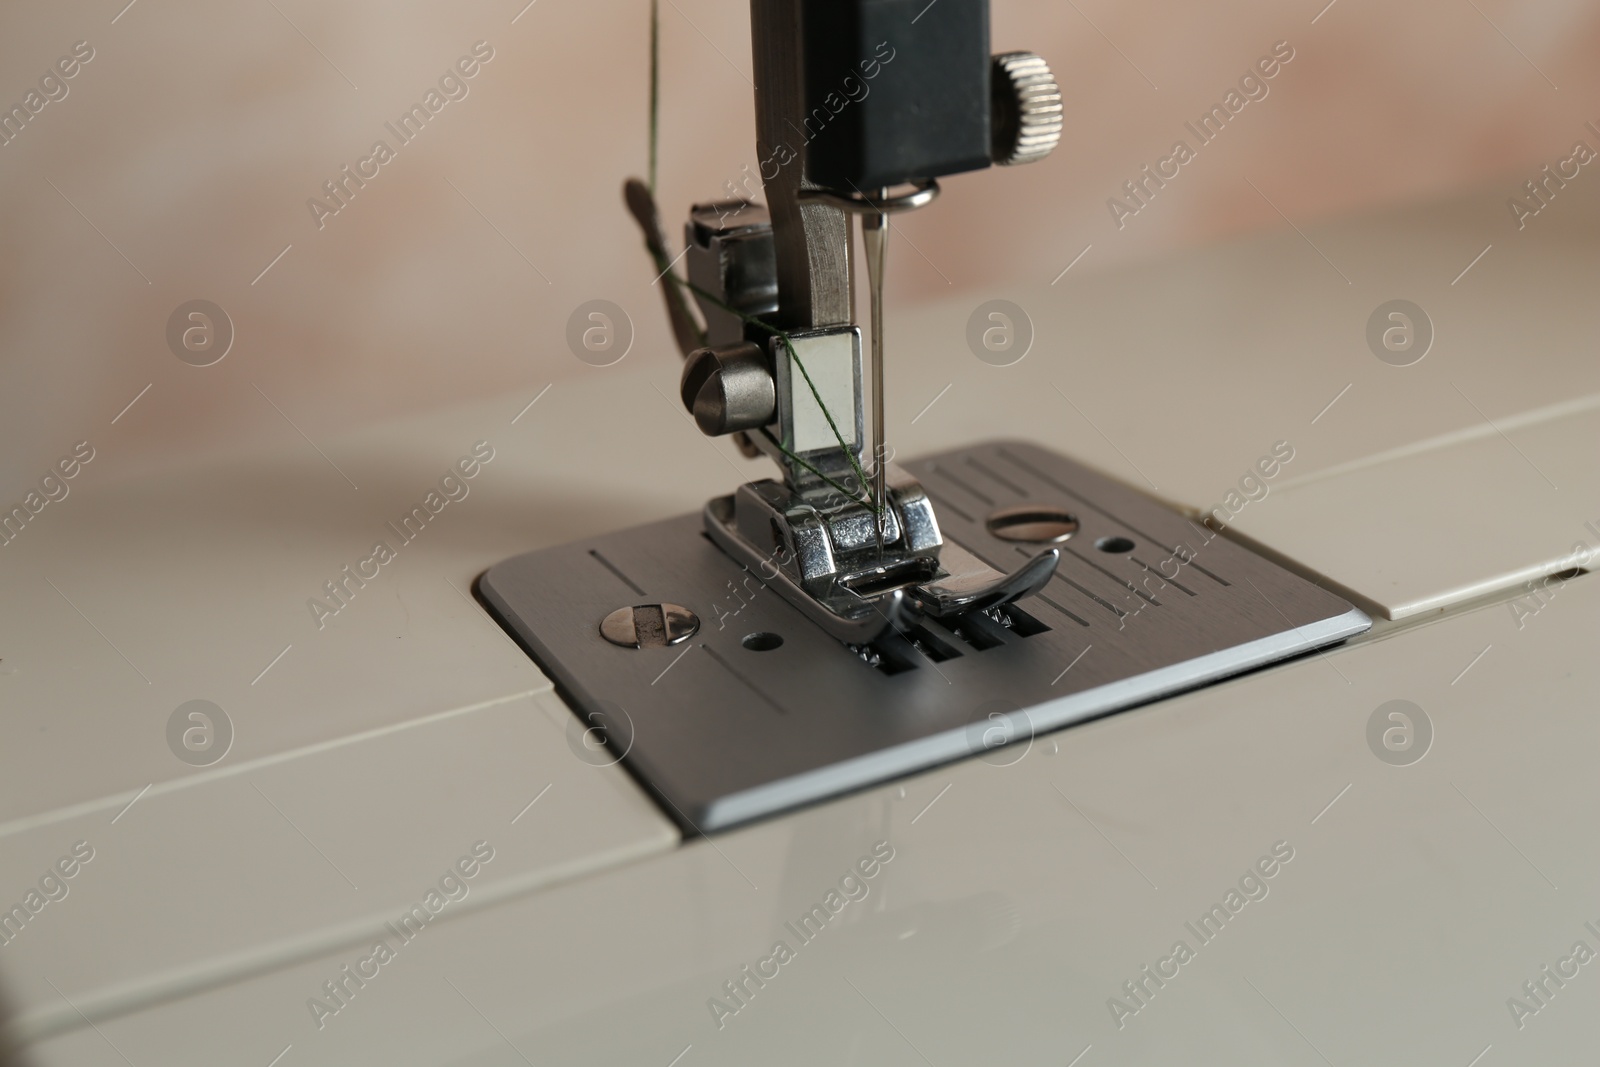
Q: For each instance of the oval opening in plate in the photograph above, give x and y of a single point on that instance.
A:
(1033, 524)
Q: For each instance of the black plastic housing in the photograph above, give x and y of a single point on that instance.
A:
(895, 90)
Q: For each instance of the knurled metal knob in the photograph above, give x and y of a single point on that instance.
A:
(1025, 109)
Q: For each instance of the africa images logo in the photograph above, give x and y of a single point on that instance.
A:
(341, 589)
(452, 886)
(1253, 85)
(853, 886)
(1253, 886)
(453, 85)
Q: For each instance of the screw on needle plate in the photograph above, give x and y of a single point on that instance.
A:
(650, 625)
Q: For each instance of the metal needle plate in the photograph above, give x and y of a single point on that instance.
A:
(761, 711)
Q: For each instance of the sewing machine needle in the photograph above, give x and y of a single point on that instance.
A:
(875, 241)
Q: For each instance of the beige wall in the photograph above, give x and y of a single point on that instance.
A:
(194, 137)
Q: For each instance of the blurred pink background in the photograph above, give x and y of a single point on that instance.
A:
(193, 139)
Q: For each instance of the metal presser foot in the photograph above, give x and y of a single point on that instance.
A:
(830, 563)
(836, 626)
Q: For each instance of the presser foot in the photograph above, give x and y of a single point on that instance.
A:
(856, 578)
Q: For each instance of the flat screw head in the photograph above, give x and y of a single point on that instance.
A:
(650, 625)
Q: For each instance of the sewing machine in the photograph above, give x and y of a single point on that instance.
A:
(894, 628)
(682, 721)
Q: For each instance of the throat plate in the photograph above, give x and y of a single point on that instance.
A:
(761, 711)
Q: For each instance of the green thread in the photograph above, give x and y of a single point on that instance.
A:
(655, 90)
(660, 259)
(847, 494)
